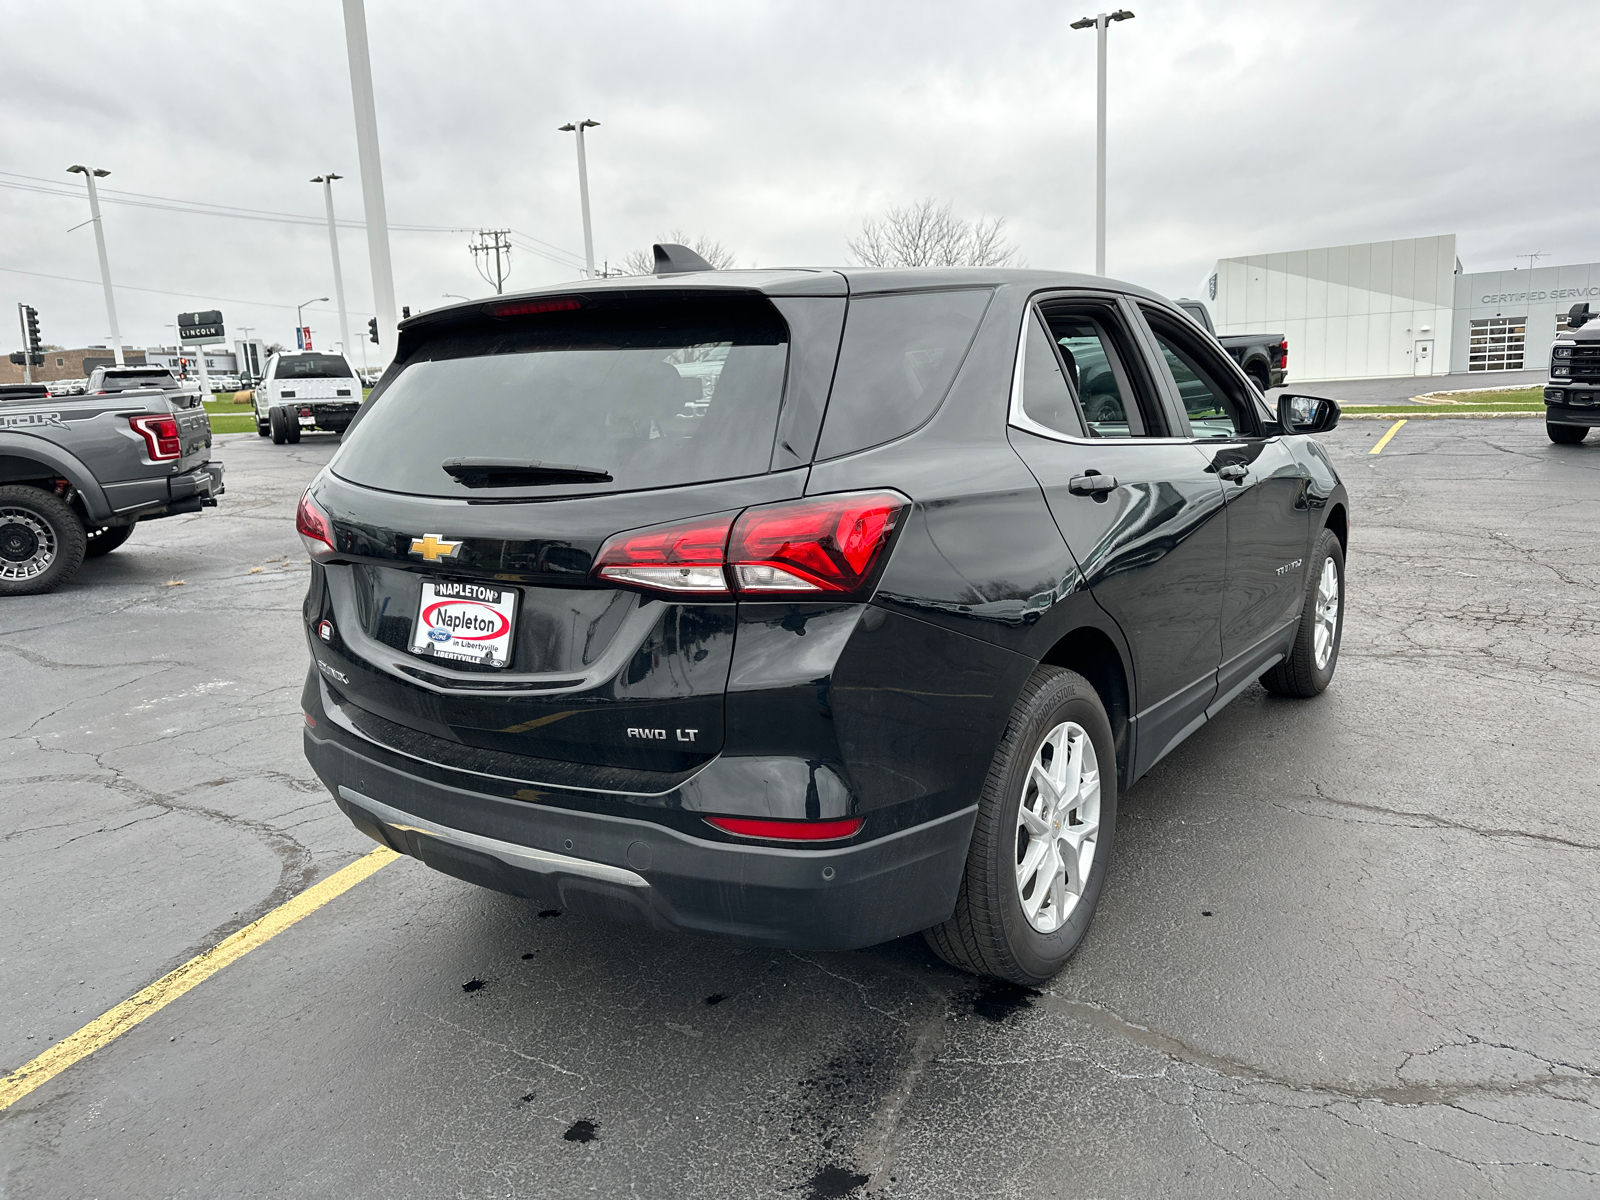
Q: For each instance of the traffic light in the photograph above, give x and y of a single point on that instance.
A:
(372, 329)
(30, 316)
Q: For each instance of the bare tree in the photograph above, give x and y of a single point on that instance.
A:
(643, 262)
(926, 234)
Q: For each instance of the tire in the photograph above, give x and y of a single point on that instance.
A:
(105, 539)
(276, 425)
(1566, 435)
(990, 933)
(291, 427)
(262, 429)
(1263, 380)
(41, 541)
(1305, 673)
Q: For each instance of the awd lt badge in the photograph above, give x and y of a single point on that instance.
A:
(432, 547)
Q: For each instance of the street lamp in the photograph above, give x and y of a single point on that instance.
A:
(333, 244)
(1099, 24)
(299, 322)
(90, 174)
(583, 190)
(453, 296)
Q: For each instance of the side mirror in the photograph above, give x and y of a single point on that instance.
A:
(1578, 316)
(1306, 414)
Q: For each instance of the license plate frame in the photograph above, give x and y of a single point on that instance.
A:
(455, 621)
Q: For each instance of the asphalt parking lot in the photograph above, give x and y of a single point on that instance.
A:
(1347, 947)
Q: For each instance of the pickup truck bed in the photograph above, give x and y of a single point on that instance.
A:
(78, 472)
(1264, 356)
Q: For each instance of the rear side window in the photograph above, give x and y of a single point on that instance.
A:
(1216, 402)
(651, 395)
(899, 356)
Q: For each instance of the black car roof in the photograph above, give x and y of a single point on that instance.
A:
(803, 281)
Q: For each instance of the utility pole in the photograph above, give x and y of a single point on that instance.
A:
(326, 180)
(90, 174)
(366, 113)
(1100, 24)
(583, 190)
(496, 242)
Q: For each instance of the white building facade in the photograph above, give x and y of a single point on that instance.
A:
(1397, 308)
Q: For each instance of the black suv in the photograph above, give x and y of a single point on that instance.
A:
(810, 607)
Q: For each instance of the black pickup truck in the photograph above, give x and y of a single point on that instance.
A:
(1264, 356)
(78, 472)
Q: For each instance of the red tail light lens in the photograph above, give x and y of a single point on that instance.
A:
(522, 308)
(820, 544)
(1283, 355)
(686, 556)
(160, 435)
(789, 831)
(314, 528)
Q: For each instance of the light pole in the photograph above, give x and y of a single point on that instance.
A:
(299, 323)
(355, 36)
(90, 174)
(583, 191)
(244, 352)
(333, 244)
(1099, 24)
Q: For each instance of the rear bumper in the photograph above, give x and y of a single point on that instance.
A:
(636, 870)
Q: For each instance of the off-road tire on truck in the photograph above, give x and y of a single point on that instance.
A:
(1566, 435)
(104, 539)
(1308, 670)
(989, 933)
(1263, 379)
(41, 541)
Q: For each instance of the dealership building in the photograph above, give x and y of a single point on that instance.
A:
(1397, 308)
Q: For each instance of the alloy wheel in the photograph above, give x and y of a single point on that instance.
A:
(27, 547)
(1327, 618)
(1058, 826)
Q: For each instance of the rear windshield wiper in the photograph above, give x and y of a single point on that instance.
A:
(499, 472)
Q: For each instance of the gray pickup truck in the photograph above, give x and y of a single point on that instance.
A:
(78, 472)
(1264, 356)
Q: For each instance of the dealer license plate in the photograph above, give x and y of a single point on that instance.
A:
(308, 420)
(468, 622)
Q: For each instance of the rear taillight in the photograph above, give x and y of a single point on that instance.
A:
(314, 528)
(820, 544)
(823, 545)
(683, 557)
(788, 831)
(1283, 355)
(160, 434)
(523, 308)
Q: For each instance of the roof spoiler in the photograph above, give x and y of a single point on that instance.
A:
(672, 259)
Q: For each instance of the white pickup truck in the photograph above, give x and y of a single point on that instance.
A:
(305, 390)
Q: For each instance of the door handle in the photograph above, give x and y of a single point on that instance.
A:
(1091, 483)
(1234, 471)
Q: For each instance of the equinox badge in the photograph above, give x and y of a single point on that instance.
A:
(433, 547)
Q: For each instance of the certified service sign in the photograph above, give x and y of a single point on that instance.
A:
(469, 622)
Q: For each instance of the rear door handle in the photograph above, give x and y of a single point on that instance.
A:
(1234, 471)
(1091, 484)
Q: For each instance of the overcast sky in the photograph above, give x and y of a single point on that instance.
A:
(1235, 128)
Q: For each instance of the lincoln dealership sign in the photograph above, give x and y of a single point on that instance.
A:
(1552, 294)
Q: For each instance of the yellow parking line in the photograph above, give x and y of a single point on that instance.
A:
(1384, 440)
(197, 970)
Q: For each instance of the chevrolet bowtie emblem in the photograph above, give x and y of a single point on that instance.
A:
(433, 547)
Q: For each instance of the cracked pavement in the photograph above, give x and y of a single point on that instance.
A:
(1347, 947)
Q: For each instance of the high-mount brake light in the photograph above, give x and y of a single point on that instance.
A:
(819, 544)
(684, 557)
(314, 528)
(789, 831)
(160, 433)
(522, 308)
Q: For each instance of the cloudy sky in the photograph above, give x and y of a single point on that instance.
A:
(773, 127)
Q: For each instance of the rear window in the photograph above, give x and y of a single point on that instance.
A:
(314, 366)
(898, 358)
(650, 394)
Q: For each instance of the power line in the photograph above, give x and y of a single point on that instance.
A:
(125, 287)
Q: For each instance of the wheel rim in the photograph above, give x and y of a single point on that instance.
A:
(27, 547)
(1058, 826)
(1327, 614)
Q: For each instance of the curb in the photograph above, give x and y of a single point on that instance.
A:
(1412, 414)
